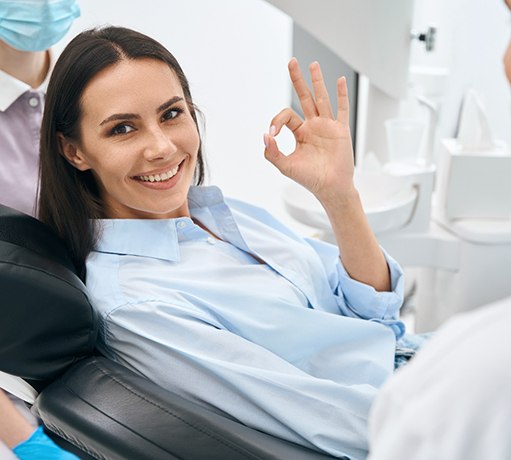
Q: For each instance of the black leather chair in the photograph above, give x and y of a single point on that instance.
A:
(48, 331)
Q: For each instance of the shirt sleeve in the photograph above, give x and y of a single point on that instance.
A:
(209, 365)
(359, 300)
(353, 298)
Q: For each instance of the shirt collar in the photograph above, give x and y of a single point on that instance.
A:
(204, 197)
(156, 238)
(12, 88)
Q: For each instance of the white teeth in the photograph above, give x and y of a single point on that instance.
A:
(159, 177)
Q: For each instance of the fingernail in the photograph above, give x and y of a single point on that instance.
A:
(273, 130)
(266, 140)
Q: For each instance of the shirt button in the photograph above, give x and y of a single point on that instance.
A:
(33, 102)
(210, 240)
(181, 224)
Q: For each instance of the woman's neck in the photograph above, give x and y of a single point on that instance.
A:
(30, 67)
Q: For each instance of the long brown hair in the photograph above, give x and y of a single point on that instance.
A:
(69, 199)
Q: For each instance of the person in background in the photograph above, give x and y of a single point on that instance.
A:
(27, 30)
(453, 401)
(24, 437)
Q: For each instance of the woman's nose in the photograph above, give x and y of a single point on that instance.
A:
(159, 146)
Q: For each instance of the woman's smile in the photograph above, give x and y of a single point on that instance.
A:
(164, 180)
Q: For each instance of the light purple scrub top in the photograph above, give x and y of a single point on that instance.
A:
(21, 111)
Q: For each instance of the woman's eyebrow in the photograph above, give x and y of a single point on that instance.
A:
(120, 116)
(169, 103)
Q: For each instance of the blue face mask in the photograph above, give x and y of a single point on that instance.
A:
(35, 25)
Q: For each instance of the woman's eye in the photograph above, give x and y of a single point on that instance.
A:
(122, 129)
(171, 114)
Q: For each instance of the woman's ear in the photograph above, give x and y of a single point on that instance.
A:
(72, 153)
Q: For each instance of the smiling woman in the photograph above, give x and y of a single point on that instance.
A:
(113, 101)
(141, 146)
(211, 297)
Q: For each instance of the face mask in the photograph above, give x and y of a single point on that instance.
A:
(35, 25)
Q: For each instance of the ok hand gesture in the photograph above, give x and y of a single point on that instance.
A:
(322, 161)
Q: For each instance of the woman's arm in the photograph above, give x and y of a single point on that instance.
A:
(310, 403)
(323, 163)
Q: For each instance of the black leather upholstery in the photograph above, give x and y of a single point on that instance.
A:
(47, 336)
(25, 232)
(115, 404)
(47, 322)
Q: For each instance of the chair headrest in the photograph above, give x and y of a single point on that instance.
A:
(47, 322)
(25, 231)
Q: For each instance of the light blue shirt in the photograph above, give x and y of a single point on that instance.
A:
(293, 346)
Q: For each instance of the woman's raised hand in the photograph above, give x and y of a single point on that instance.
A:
(322, 161)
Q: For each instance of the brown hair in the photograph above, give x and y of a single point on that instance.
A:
(69, 199)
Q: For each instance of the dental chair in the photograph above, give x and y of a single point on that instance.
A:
(89, 404)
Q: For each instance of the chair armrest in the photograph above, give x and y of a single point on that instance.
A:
(112, 413)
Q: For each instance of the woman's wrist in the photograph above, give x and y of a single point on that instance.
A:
(343, 201)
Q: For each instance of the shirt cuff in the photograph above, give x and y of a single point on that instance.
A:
(363, 301)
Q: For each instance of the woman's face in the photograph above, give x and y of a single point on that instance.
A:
(138, 138)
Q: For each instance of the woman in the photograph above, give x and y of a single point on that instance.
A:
(209, 297)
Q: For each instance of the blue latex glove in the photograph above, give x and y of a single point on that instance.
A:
(41, 447)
